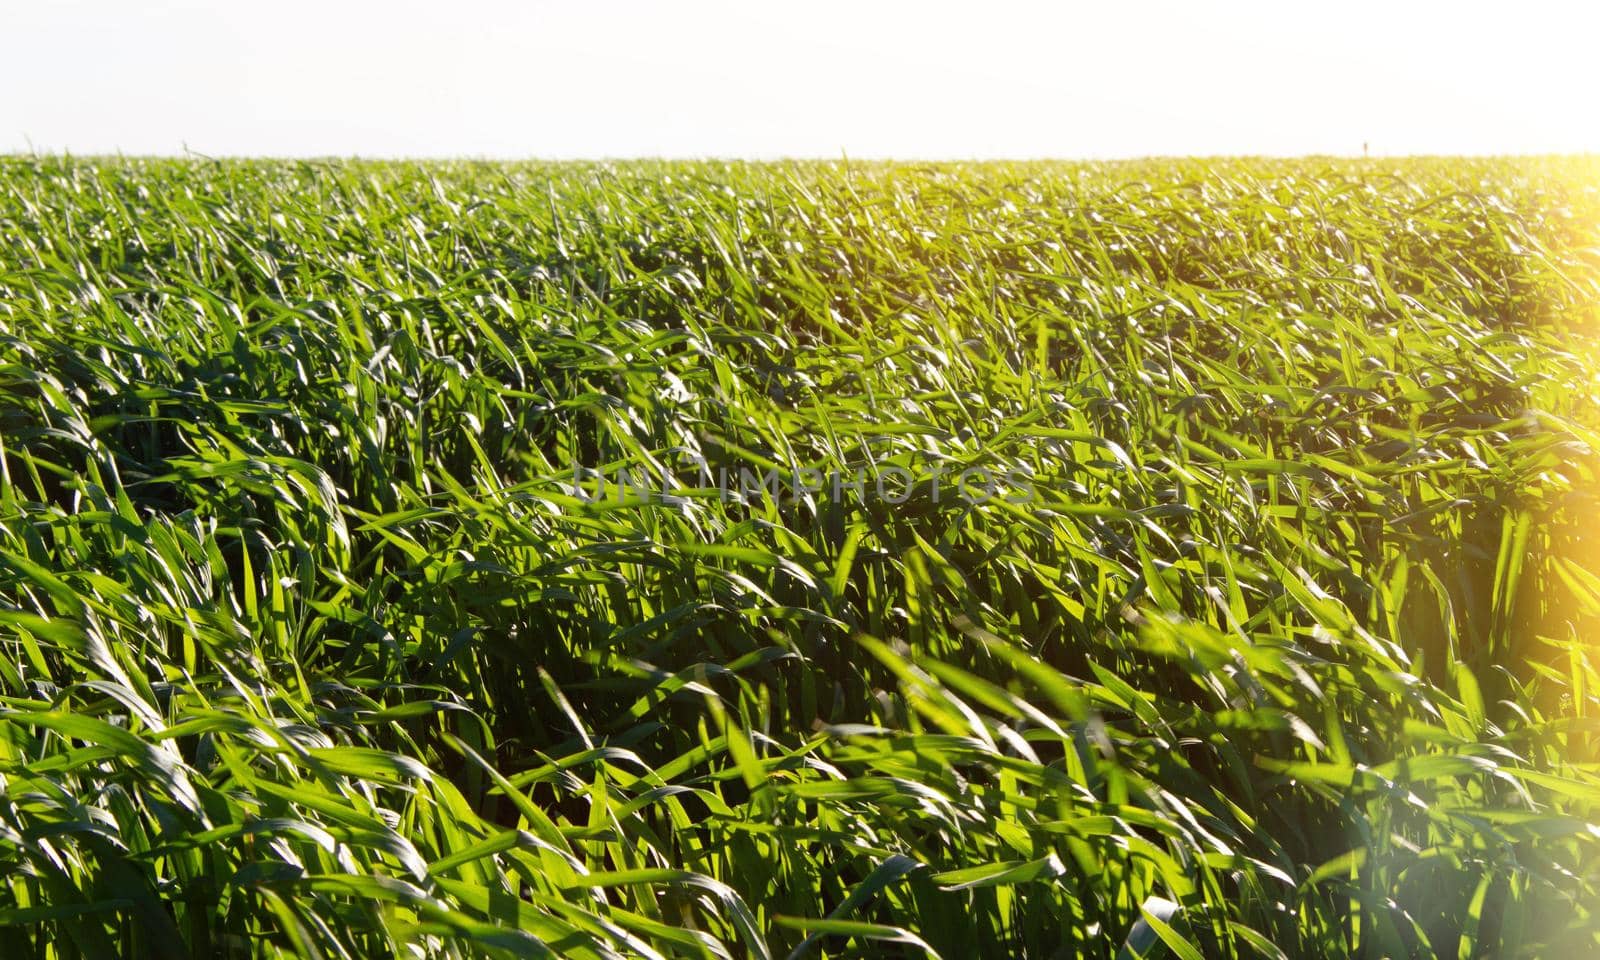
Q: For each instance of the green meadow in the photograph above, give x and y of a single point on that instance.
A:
(823, 559)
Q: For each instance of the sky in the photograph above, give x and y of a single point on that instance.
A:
(698, 78)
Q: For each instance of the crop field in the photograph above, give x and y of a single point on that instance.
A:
(819, 559)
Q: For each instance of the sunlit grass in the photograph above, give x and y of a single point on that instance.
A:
(311, 646)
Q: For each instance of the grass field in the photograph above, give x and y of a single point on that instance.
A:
(1214, 571)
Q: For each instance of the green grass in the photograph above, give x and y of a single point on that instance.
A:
(311, 645)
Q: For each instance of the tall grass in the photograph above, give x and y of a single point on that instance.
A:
(1280, 642)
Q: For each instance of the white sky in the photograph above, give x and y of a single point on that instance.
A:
(752, 79)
